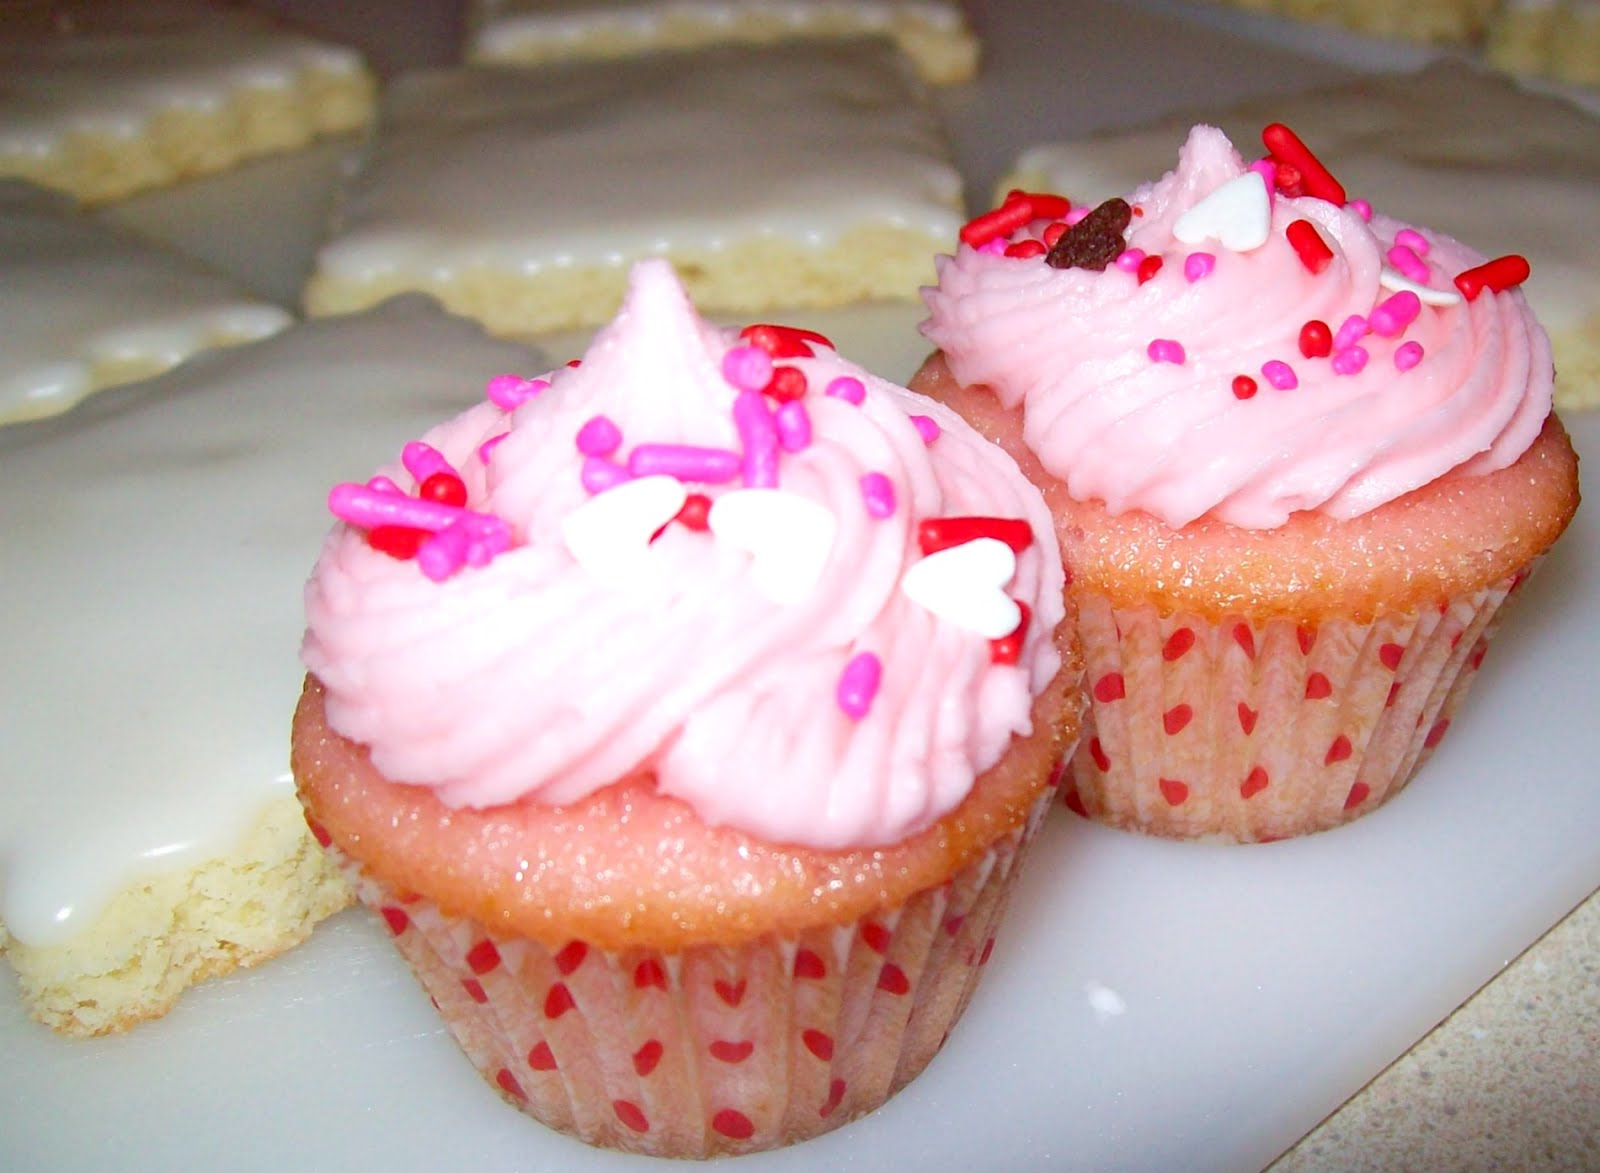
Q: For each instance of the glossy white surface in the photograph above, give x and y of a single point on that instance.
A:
(1149, 1005)
(149, 733)
(79, 298)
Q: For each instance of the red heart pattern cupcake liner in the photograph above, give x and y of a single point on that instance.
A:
(1260, 731)
(713, 1050)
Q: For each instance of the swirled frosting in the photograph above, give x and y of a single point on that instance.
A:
(1182, 386)
(764, 660)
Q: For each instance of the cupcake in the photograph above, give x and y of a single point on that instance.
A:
(1298, 455)
(685, 713)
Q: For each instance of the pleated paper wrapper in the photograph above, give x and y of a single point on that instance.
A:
(1259, 731)
(711, 1050)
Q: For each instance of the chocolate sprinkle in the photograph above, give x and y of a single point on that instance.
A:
(1095, 241)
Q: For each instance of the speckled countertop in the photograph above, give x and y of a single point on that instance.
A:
(1511, 1080)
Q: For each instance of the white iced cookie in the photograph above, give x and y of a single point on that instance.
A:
(933, 33)
(1557, 39)
(84, 306)
(1448, 22)
(155, 545)
(1402, 141)
(103, 100)
(806, 174)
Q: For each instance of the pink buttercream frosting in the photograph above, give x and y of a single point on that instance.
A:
(545, 670)
(1126, 380)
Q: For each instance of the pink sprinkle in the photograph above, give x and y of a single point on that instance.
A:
(600, 474)
(1412, 239)
(1268, 170)
(1408, 264)
(1407, 355)
(877, 492)
(847, 387)
(1395, 313)
(1280, 374)
(748, 368)
(712, 466)
(1077, 214)
(1198, 266)
(486, 449)
(758, 436)
(423, 460)
(443, 554)
(1353, 330)
(926, 428)
(365, 505)
(509, 392)
(368, 508)
(1128, 259)
(1166, 350)
(993, 248)
(460, 544)
(1361, 208)
(1350, 360)
(794, 426)
(599, 437)
(858, 685)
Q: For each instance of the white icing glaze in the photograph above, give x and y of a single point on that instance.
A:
(109, 68)
(505, 26)
(1465, 153)
(152, 624)
(78, 293)
(599, 164)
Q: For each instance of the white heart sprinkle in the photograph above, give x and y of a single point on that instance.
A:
(610, 532)
(787, 536)
(1426, 294)
(1238, 215)
(962, 586)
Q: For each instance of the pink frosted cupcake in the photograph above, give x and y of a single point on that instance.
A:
(1298, 455)
(686, 714)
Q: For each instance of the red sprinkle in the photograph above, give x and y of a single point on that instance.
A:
(1018, 210)
(1052, 233)
(1148, 268)
(1045, 205)
(1315, 179)
(397, 541)
(695, 510)
(1008, 648)
(786, 384)
(1497, 275)
(1309, 246)
(1243, 386)
(783, 341)
(445, 488)
(1026, 248)
(940, 533)
(997, 222)
(1316, 340)
(1287, 181)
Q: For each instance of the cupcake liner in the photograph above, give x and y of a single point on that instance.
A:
(713, 1050)
(1254, 732)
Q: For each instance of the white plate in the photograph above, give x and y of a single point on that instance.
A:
(1149, 1005)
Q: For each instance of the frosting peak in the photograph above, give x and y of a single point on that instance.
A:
(1253, 351)
(701, 575)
